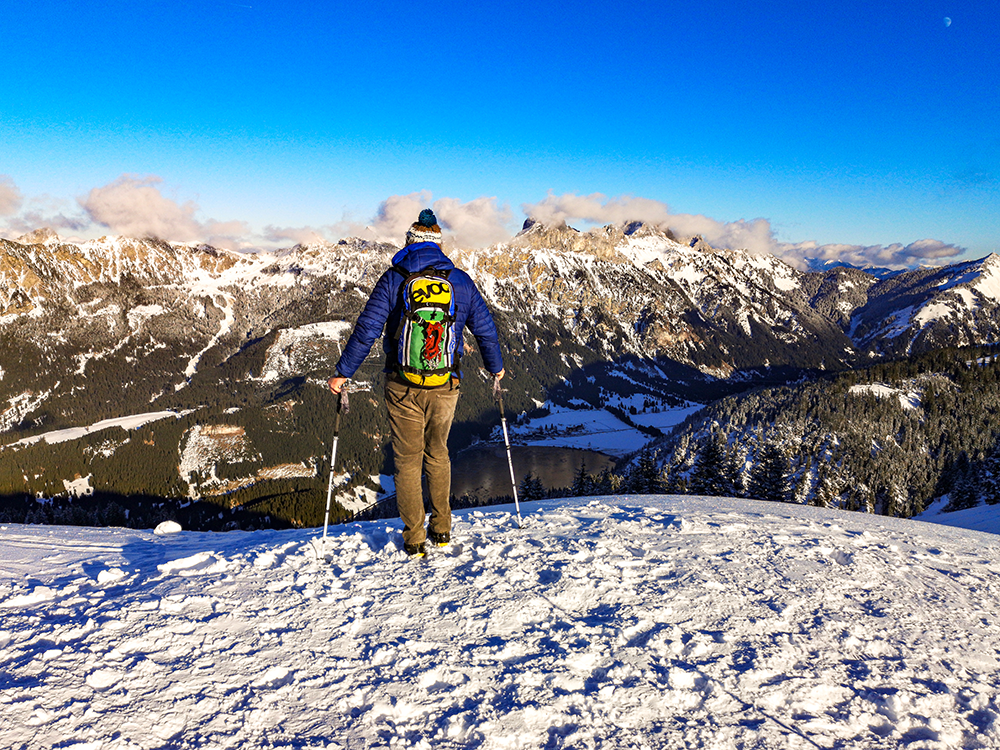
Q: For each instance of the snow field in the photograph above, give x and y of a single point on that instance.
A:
(619, 622)
(132, 422)
(587, 429)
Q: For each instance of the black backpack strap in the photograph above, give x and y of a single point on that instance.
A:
(430, 269)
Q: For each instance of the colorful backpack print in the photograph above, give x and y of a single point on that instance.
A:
(426, 341)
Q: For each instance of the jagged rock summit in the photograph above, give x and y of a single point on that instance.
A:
(42, 236)
(605, 242)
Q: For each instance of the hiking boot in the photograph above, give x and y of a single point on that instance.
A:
(415, 550)
(440, 539)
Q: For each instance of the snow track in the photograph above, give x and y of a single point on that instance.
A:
(610, 623)
(226, 303)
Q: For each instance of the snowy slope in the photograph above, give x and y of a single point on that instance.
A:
(593, 429)
(921, 310)
(657, 622)
(982, 518)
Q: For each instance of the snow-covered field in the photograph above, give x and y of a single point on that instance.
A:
(589, 429)
(668, 418)
(595, 429)
(982, 518)
(132, 422)
(625, 622)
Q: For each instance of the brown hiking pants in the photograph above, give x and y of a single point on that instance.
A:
(420, 419)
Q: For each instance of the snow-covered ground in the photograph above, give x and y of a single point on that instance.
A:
(668, 418)
(624, 622)
(983, 518)
(590, 429)
(908, 399)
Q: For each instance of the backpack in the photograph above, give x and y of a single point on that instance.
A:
(426, 339)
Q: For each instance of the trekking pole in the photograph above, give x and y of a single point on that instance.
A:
(343, 406)
(498, 395)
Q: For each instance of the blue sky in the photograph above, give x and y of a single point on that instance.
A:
(852, 129)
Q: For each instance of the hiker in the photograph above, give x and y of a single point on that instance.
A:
(420, 307)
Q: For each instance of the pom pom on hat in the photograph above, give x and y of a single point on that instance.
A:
(424, 229)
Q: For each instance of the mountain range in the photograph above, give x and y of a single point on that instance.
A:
(235, 347)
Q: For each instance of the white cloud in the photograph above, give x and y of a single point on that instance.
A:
(922, 252)
(478, 223)
(10, 196)
(597, 208)
(755, 235)
(231, 235)
(134, 206)
(41, 211)
(397, 213)
(393, 218)
(475, 223)
(54, 218)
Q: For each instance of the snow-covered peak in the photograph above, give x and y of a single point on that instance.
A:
(821, 265)
(42, 236)
(645, 247)
(962, 289)
(988, 281)
(929, 308)
(532, 225)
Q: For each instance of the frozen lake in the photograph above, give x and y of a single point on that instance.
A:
(483, 470)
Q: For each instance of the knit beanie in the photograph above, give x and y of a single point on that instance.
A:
(424, 229)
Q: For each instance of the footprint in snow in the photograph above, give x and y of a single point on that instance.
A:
(103, 679)
(110, 575)
(198, 564)
(38, 595)
(275, 677)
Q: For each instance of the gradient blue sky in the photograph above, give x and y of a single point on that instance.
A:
(850, 124)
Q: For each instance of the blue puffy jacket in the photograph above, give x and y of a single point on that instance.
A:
(384, 310)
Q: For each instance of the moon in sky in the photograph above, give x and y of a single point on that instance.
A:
(947, 22)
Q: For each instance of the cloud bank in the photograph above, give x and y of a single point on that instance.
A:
(921, 252)
(23, 215)
(135, 206)
(285, 236)
(476, 223)
(754, 235)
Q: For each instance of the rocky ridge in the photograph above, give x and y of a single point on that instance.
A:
(121, 326)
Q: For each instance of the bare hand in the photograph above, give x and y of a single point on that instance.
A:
(336, 384)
